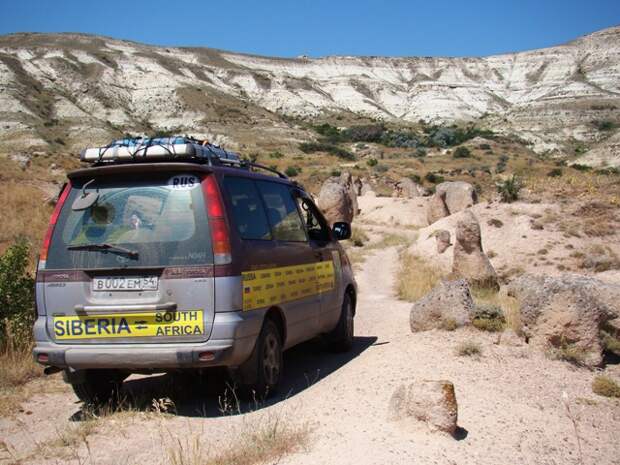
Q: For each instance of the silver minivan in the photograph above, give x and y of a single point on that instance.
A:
(182, 259)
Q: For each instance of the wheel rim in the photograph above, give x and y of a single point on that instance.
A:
(271, 359)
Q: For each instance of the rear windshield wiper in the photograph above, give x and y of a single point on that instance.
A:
(104, 247)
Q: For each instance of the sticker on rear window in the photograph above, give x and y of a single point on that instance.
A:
(182, 182)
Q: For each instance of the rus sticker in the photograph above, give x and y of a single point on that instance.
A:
(183, 182)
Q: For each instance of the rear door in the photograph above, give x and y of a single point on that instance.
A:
(136, 267)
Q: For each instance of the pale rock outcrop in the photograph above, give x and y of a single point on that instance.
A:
(409, 189)
(436, 208)
(335, 202)
(448, 305)
(430, 402)
(459, 195)
(566, 312)
(470, 261)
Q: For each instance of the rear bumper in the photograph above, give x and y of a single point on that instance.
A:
(232, 340)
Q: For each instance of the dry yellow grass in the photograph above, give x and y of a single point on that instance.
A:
(17, 368)
(23, 213)
(262, 441)
(415, 278)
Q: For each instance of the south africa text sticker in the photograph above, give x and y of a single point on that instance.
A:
(182, 182)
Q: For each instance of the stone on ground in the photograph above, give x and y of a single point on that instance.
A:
(431, 402)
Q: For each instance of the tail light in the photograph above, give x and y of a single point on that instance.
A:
(50, 229)
(220, 237)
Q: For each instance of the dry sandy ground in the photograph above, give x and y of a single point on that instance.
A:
(510, 402)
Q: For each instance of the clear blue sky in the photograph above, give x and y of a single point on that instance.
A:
(322, 27)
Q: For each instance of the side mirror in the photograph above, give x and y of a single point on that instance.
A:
(341, 230)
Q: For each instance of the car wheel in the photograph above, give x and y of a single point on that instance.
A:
(260, 375)
(98, 387)
(341, 338)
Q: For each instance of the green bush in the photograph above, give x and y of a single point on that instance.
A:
(461, 152)
(311, 147)
(604, 125)
(277, 155)
(434, 178)
(554, 173)
(509, 188)
(579, 167)
(372, 162)
(16, 295)
(292, 171)
(335, 173)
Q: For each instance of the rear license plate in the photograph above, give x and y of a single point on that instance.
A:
(128, 325)
(125, 283)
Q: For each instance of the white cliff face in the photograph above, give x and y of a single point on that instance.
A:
(88, 84)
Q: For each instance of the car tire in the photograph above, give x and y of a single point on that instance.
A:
(341, 338)
(98, 387)
(260, 375)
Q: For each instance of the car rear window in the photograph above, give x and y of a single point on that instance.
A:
(161, 217)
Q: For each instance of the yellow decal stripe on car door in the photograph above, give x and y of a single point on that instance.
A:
(263, 288)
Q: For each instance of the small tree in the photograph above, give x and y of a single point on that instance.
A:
(509, 188)
(16, 295)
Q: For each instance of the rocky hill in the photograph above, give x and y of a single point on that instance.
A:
(58, 90)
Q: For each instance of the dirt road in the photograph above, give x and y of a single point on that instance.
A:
(510, 408)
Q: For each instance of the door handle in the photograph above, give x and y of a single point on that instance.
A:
(168, 306)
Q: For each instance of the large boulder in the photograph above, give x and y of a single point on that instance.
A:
(436, 208)
(567, 313)
(459, 195)
(335, 202)
(447, 306)
(431, 402)
(409, 189)
(346, 180)
(470, 261)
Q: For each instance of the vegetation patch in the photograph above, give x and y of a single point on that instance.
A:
(488, 317)
(605, 386)
(415, 278)
(468, 349)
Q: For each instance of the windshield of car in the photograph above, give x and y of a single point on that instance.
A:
(161, 218)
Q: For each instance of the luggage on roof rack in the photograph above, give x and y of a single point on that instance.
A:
(160, 149)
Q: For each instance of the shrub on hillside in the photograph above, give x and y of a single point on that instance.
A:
(292, 171)
(372, 162)
(311, 147)
(604, 125)
(434, 178)
(461, 152)
(365, 133)
(555, 172)
(16, 295)
(509, 188)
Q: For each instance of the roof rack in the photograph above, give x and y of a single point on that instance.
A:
(159, 149)
(145, 149)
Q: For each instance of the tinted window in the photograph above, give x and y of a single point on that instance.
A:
(165, 223)
(317, 229)
(282, 212)
(247, 208)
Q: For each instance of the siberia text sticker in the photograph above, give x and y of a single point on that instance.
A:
(183, 182)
